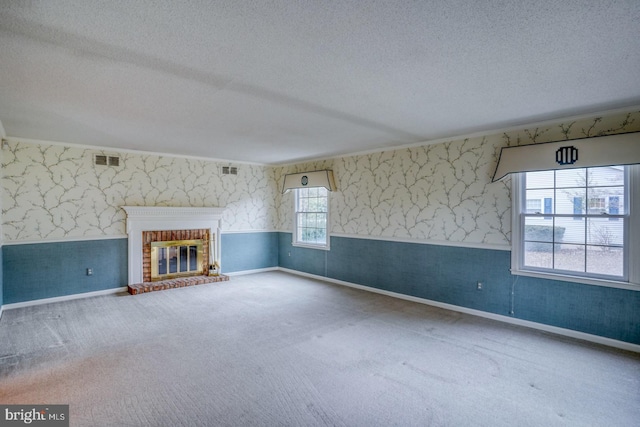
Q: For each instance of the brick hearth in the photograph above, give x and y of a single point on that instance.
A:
(140, 288)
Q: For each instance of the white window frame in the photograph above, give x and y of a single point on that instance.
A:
(631, 237)
(295, 241)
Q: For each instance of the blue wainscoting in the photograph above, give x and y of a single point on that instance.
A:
(440, 273)
(1, 279)
(597, 310)
(47, 270)
(249, 251)
(450, 275)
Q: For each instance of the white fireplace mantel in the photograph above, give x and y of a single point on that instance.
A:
(160, 218)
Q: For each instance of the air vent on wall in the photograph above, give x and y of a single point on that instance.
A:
(100, 160)
(104, 160)
(229, 170)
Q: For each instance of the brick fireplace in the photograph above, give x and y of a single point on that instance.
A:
(150, 238)
(149, 224)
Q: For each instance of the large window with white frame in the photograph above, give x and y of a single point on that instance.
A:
(577, 224)
(311, 217)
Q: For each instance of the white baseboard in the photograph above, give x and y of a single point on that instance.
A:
(257, 270)
(63, 298)
(501, 318)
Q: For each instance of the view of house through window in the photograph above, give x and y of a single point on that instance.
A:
(574, 221)
(311, 216)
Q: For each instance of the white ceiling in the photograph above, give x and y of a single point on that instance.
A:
(281, 81)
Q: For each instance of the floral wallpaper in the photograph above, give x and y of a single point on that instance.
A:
(52, 191)
(438, 192)
(435, 192)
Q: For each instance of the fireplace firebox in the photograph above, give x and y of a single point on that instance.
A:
(177, 258)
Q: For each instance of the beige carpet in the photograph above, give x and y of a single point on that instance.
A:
(274, 349)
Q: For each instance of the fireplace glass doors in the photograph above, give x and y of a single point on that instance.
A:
(176, 258)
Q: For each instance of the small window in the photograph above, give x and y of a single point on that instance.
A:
(311, 217)
(575, 223)
(533, 205)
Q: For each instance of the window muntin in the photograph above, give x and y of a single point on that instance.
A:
(582, 230)
(311, 217)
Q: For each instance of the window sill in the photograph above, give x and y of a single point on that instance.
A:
(310, 246)
(578, 279)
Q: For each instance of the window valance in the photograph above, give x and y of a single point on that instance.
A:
(621, 149)
(322, 178)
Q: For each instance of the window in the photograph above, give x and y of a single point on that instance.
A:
(534, 205)
(311, 217)
(584, 229)
(598, 204)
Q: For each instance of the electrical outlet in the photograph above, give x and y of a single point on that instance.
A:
(480, 285)
(289, 253)
(89, 272)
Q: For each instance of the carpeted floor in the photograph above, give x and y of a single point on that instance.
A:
(273, 349)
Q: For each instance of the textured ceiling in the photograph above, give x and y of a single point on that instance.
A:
(281, 81)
